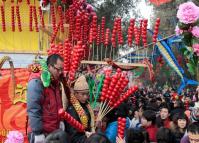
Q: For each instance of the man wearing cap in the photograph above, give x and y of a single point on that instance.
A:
(80, 109)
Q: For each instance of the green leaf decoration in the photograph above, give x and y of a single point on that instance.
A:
(91, 85)
(138, 72)
(191, 68)
(45, 77)
(187, 38)
(183, 26)
(194, 24)
(43, 64)
(99, 88)
(195, 40)
(183, 49)
(186, 53)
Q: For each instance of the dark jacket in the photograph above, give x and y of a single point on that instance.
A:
(75, 136)
(43, 105)
(177, 136)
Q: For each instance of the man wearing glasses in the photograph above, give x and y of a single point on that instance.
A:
(43, 103)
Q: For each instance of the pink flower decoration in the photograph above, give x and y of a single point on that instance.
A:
(178, 31)
(195, 31)
(188, 13)
(196, 49)
(15, 137)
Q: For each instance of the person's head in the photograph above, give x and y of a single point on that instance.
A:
(97, 138)
(134, 136)
(55, 65)
(164, 111)
(136, 113)
(141, 110)
(159, 101)
(81, 89)
(164, 135)
(148, 118)
(187, 99)
(181, 120)
(193, 132)
(178, 104)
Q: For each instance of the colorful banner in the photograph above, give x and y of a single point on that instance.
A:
(13, 105)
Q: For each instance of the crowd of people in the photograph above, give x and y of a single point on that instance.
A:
(152, 114)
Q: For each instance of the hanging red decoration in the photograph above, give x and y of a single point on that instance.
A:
(94, 27)
(121, 127)
(3, 18)
(72, 121)
(13, 17)
(61, 19)
(28, 2)
(131, 32)
(52, 8)
(30, 18)
(55, 33)
(98, 35)
(119, 30)
(41, 17)
(18, 18)
(102, 29)
(159, 2)
(114, 32)
(35, 19)
(86, 28)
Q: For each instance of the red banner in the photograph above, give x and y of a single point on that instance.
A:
(13, 103)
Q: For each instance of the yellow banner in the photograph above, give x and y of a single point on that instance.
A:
(25, 41)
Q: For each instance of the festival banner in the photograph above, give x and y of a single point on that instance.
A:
(13, 104)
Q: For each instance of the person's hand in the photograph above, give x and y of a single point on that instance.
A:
(88, 134)
(119, 140)
(62, 126)
(39, 138)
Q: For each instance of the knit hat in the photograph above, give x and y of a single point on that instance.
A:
(81, 84)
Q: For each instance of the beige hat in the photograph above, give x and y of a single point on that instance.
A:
(81, 84)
